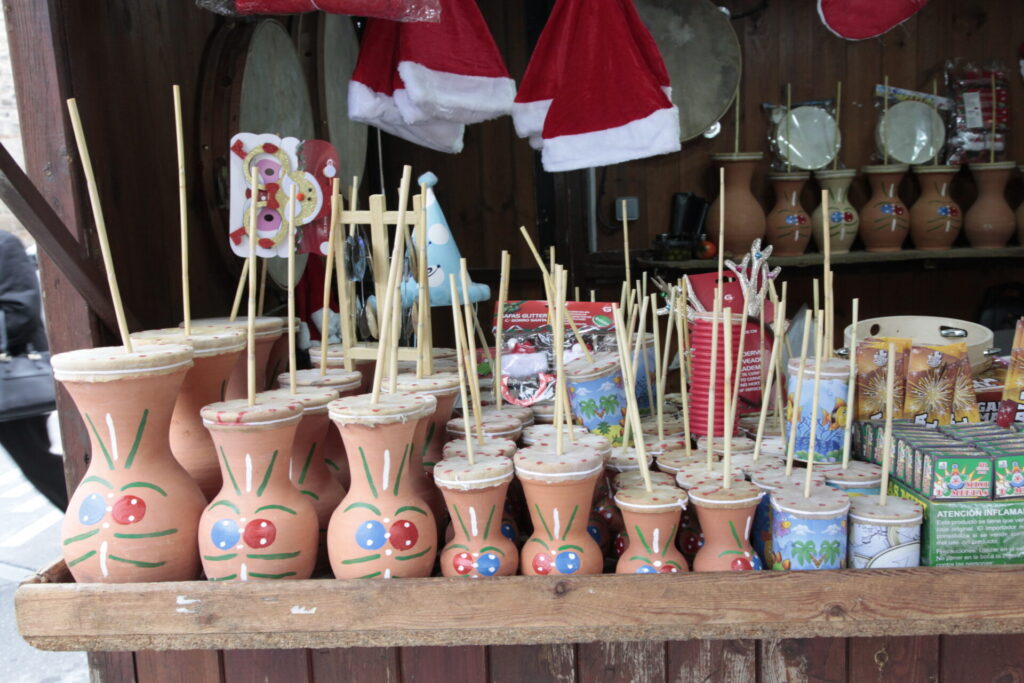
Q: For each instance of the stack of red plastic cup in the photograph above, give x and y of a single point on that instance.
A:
(701, 331)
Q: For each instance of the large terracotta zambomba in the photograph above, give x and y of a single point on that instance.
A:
(744, 216)
(935, 219)
(381, 529)
(259, 526)
(133, 517)
(990, 221)
(884, 220)
(788, 227)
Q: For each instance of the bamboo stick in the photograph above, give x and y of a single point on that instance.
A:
(292, 361)
(798, 394)
(727, 402)
(683, 388)
(890, 376)
(715, 318)
(992, 143)
(263, 287)
(885, 114)
(470, 349)
(251, 318)
(632, 411)
(325, 315)
(819, 338)
(779, 326)
(467, 413)
(658, 396)
(851, 390)
(499, 326)
(186, 303)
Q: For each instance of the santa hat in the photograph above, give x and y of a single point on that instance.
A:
(609, 106)
(452, 69)
(376, 84)
(862, 19)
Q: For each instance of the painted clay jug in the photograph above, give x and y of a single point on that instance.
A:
(652, 522)
(490, 447)
(546, 432)
(809, 532)
(843, 220)
(1020, 216)
(884, 220)
(515, 504)
(346, 383)
(259, 527)
(935, 219)
(134, 515)
(788, 226)
(307, 468)
(494, 426)
(268, 331)
(444, 387)
(990, 221)
(692, 475)
(744, 216)
(215, 352)
(725, 517)
(521, 413)
(559, 492)
(381, 530)
(884, 536)
(475, 495)
(336, 360)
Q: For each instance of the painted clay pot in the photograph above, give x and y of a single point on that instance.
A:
(215, 352)
(935, 219)
(515, 504)
(543, 413)
(634, 478)
(652, 521)
(672, 426)
(725, 517)
(990, 221)
(769, 481)
(658, 447)
(494, 426)
(521, 413)
(859, 478)
(624, 480)
(268, 331)
(307, 468)
(809, 532)
(830, 420)
(737, 444)
(259, 527)
(346, 383)
(844, 221)
(444, 387)
(1020, 215)
(546, 432)
(883, 537)
(670, 462)
(884, 220)
(490, 447)
(381, 529)
(336, 360)
(559, 492)
(134, 515)
(475, 495)
(744, 216)
(788, 227)
(690, 476)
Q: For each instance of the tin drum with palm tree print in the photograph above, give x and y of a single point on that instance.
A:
(809, 532)
(830, 420)
(597, 395)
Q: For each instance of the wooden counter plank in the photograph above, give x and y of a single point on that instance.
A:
(982, 658)
(177, 666)
(893, 659)
(621, 662)
(698, 661)
(356, 665)
(802, 659)
(443, 664)
(534, 663)
(268, 666)
(327, 613)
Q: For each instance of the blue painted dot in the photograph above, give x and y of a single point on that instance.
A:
(646, 569)
(567, 562)
(755, 562)
(92, 510)
(370, 535)
(225, 533)
(508, 532)
(488, 564)
(594, 532)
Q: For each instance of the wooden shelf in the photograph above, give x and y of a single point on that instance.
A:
(55, 614)
(849, 258)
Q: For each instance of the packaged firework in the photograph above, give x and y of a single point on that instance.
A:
(872, 359)
(931, 381)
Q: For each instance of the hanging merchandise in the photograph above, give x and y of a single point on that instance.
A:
(804, 137)
(396, 10)
(862, 19)
(604, 59)
(910, 127)
(981, 111)
(423, 82)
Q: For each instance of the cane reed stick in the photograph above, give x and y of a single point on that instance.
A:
(291, 291)
(819, 338)
(325, 319)
(727, 402)
(467, 413)
(658, 396)
(629, 378)
(890, 377)
(715, 319)
(683, 388)
(499, 325)
(469, 346)
(778, 328)
(263, 287)
(251, 317)
(851, 389)
(186, 303)
(791, 443)
(243, 278)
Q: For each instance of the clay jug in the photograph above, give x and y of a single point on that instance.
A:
(935, 218)
(134, 515)
(490, 447)
(540, 433)
(336, 360)
(789, 227)
(843, 217)
(990, 221)
(652, 521)
(475, 495)
(884, 220)
(559, 491)
(744, 216)
(268, 331)
(494, 426)
(1020, 216)
(307, 468)
(522, 413)
(215, 352)
(445, 388)
(381, 530)
(725, 518)
(346, 383)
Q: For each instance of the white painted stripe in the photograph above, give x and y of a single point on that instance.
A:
(18, 490)
(19, 538)
(248, 474)
(746, 532)
(243, 572)
(113, 437)
(472, 522)
(386, 474)
(103, 558)
(31, 505)
(387, 573)
(557, 524)
(656, 540)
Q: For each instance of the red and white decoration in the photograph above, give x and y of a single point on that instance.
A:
(423, 82)
(863, 19)
(596, 91)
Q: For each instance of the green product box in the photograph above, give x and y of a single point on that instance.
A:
(956, 476)
(968, 533)
(1008, 476)
(920, 460)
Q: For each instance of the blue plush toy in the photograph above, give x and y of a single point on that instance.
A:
(442, 257)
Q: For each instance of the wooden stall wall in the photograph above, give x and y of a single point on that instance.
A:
(120, 57)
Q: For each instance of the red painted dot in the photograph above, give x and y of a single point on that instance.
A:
(463, 563)
(404, 534)
(128, 510)
(542, 563)
(260, 533)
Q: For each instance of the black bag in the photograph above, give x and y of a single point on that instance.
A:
(26, 381)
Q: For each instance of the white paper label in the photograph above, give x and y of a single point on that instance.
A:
(972, 110)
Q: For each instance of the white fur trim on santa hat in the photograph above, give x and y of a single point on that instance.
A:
(528, 117)
(377, 109)
(650, 136)
(456, 97)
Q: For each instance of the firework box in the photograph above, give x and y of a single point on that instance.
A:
(1008, 471)
(955, 475)
(968, 533)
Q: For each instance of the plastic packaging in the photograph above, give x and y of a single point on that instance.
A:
(911, 128)
(970, 137)
(807, 138)
(395, 10)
